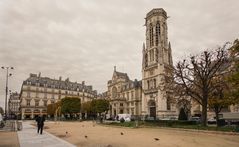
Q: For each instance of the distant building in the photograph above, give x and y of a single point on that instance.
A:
(124, 94)
(37, 92)
(14, 104)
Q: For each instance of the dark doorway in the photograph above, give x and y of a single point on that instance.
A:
(152, 109)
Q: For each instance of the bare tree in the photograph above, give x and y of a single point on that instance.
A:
(195, 75)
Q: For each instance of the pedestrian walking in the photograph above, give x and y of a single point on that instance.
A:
(40, 123)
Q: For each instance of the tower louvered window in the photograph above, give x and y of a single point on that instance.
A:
(151, 36)
(157, 32)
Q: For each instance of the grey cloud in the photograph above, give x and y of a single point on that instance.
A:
(84, 39)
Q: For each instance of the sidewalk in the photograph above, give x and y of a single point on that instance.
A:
(28, 137)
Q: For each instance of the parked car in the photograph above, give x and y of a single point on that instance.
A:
(1, 121)
(212, 121)
(169, 118)
(195, 118)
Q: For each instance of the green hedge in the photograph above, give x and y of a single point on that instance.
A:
(170, 122)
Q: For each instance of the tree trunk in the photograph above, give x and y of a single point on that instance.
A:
(217, 116)
(204, 113)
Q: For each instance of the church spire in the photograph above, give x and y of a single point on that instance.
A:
(143, 62)
(170, 60)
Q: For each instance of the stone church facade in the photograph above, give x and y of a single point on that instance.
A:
(147, 97)
(124, 94)
(157, 67)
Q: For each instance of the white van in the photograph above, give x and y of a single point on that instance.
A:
(1, 119)
(126, 117)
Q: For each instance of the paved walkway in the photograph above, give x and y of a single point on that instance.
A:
(28, 137)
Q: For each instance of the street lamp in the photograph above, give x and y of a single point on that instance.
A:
(7, 75)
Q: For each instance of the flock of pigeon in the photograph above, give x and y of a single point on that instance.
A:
(121, 133)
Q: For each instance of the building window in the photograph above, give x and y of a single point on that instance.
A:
(52, 96)
(28, 94)
(151, 36)
(36, 103)
(52, 102)
(132, 95)
(28, 102)
(121, 111)
(148, 84)
(114, 92)
(132, 111)
(45, 95)
(121, 104)
(157, 32)
(154, 83)
(151, 55)
(168, 104)
(45, 103)
(127, 95)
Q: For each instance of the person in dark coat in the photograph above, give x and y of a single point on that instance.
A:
(40, 123)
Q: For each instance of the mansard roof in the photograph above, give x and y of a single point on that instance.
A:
(35, 80)
(121, 75)
(132, 85)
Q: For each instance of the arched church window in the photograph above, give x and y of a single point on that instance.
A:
(157, 32)
(154, 83)
(168, 104)
(146, 60)
(151, 36)
(114, 92)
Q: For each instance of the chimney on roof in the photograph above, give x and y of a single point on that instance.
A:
(114, 68)
(60, 78)
(39, 75)
(67, 80)
(83, 83)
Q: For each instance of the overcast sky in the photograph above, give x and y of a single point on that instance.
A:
(85, 39)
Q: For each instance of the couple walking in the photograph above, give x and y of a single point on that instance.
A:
(40, 123)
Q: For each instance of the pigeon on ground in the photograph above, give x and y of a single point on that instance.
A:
(156, 139)
(86, 136)
(66, 132)
(122, 133)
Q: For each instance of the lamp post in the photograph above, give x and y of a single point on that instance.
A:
(7, 76)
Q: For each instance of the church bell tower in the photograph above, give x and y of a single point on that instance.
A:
(156, 66)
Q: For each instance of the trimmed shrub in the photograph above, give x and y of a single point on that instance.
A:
(122, 120)
(170, 123)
